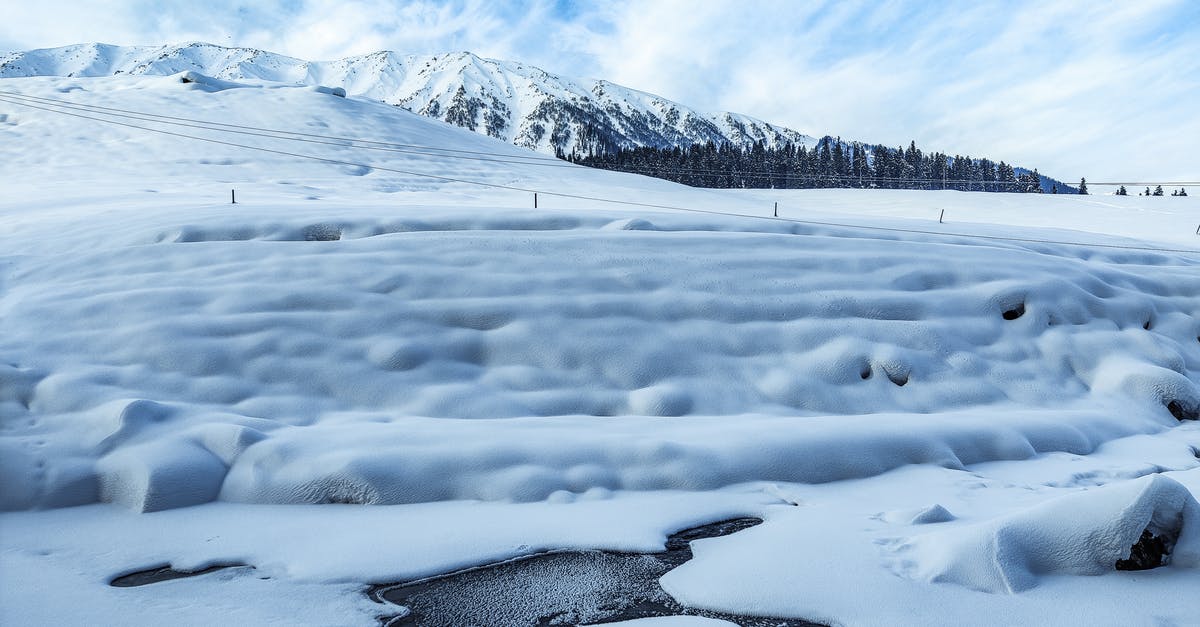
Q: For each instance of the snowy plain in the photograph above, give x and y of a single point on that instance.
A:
(360, 374)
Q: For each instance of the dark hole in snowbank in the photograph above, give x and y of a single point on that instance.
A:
(1014, 312)
(165, 573)
(1150, 551)
(561, 588)
(866, 373)
(1183, 411)
(899, 378)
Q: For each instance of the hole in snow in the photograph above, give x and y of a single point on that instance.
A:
(1182, 411)
(1015, 312)
(1150, 551)
(866, 373)
(1146, 325)
(561, 588)
(899, 378)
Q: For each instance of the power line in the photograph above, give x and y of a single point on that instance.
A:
(603, 200)
(302, 137)
(532, 156)
(539, 160)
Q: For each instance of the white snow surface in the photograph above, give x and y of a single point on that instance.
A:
(187, 381)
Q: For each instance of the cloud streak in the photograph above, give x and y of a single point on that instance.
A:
(1107, 90)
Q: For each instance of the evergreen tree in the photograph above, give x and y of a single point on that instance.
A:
(1054, 190)
(1083, 186)
(1006, 177)
(940, 168)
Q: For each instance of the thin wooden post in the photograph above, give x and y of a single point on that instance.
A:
(233, 197)
(940, 217)
(776, 210)
(535, 200)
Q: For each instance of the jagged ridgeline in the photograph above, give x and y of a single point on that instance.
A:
(593, 122)
(831, 163)
(511, 101)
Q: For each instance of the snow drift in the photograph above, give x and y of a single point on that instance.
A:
(1086, 533)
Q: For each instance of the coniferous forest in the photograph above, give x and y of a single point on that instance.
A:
(831, 163)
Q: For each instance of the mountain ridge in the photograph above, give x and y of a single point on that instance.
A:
(508, 100)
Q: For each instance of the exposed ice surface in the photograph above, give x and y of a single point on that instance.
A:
(931, 418)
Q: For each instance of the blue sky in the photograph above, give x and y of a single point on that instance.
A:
(1107, 90)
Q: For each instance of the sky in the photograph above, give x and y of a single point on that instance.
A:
(1076, 88)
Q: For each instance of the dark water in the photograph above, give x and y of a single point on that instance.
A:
(560, 588)
(165, 573)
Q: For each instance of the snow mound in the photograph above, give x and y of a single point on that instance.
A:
(160, 475)
(1085, 533)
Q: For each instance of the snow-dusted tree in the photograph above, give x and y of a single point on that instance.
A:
(1083, 186)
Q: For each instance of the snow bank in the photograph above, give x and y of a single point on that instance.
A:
(1079, 534)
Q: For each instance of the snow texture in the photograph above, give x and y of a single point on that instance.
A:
(969, 419)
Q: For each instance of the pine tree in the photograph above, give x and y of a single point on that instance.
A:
(1006, 177)
(1083, 187)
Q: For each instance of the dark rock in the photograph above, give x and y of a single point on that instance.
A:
(1183, 411)
(1015, 312)
(1150, 551)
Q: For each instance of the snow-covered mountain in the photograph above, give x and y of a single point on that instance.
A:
(512, 101)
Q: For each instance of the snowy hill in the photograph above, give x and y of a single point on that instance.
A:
(384, 364)
(518, 103)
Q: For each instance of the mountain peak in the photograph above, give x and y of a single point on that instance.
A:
(512, 101)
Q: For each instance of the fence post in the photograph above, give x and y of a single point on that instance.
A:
(776, 210)
(535, 200)
(940, 217)
(233, 197)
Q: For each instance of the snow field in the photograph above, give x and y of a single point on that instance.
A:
(961, 426)
(137, 342)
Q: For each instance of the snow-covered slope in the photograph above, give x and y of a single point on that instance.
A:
(512, 101)
(969, 419)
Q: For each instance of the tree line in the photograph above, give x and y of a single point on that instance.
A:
(1158, 191)
(830, 163)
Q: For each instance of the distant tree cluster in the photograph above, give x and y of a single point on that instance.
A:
(831, 163)
(1158, 191)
